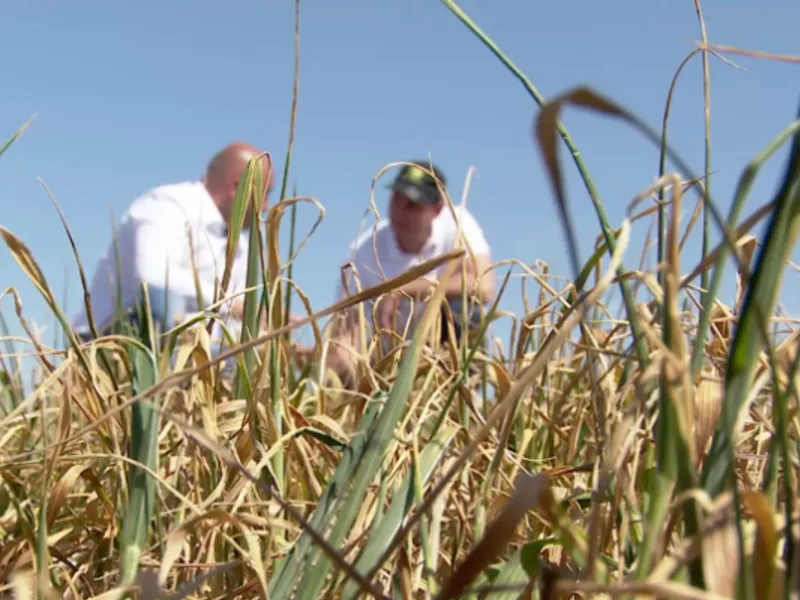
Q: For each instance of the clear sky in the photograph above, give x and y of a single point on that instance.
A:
(134, 95)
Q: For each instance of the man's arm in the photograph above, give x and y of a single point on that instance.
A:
(474, 274)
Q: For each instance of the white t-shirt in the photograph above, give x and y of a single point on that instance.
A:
(153, 241)
(375, 257)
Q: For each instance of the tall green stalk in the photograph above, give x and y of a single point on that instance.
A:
(749, 338)
(740, 196)
(633, 317)
(707, 140)
(279, 459)
(143, 449)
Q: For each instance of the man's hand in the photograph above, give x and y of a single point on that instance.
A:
(237, 308)
(338, 360)
(302, 354)
(418, 289)
(387, 307)
(482, 290)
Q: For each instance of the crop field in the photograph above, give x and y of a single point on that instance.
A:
(645, 450)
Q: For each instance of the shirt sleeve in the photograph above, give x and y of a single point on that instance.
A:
(473, 234)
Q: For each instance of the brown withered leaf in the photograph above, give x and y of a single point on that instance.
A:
(527, 494)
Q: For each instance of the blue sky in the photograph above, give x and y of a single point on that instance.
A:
(130, 96)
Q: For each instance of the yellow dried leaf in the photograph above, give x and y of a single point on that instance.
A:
(721, 553)
(766, 543)
(61, 490)
(707, 408)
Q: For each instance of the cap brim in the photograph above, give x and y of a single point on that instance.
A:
(414, 193)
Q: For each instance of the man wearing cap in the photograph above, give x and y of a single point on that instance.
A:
(420, 227)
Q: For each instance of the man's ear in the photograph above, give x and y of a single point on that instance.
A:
(232, 189)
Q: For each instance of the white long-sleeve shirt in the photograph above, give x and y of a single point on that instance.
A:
(154, 247)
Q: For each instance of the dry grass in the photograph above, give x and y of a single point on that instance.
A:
(595, 464)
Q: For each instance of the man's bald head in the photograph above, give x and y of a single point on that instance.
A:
(225, 170)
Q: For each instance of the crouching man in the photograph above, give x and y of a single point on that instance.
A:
(420, 227)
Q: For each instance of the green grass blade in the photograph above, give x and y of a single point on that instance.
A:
(281, 584)
(759, 302)
(13, 387)
(287, 301)
(278, 463)
(249, 196)
(741, 194)
(16, 135)
(253, 188)
(750, 337)
(143, 449)
(118, 307)
(42, 549)
(520, 569)
(782, 450)
(382, 530)
(379, 439)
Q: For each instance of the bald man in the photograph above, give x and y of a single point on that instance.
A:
(172, 233)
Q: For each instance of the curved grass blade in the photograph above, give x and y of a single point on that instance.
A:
(584, 173)
(662, 162)
(545, 129)
(84, 283)
(272, 274)
(25, 259)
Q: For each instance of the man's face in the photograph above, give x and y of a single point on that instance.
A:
(411, 221)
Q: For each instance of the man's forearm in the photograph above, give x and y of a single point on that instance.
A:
(454, 286)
